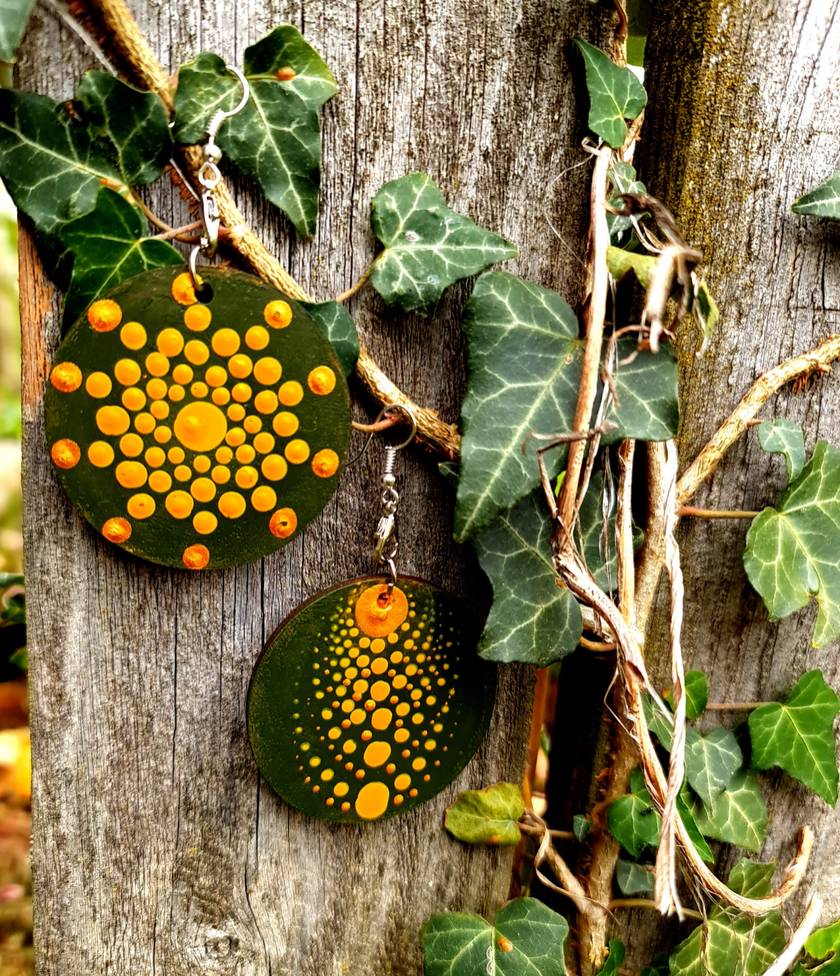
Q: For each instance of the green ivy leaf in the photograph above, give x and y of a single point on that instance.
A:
(711, 760)
(526, 939)
(427, 246)
(276, 138)
(696, 694)
(822, 944)
(729, 942)
(793, 550)
(693, 831)
(14, 16)
(705, 311)
(51, 165)
(135, 123)
(784, 437)
(798, 735)
(615, 957)
(335, 322)
(623, 180)
(581, 826)
(109, 246)
(615, 94)
(646, 388)
(632, 878)
(659, 724)
(631, 819)
(621, 262)
(737, 815)
(488, 816)
(823, 200)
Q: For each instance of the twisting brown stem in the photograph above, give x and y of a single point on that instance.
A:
(358, 286)
(713, 513)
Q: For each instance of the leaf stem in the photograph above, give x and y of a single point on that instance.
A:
(648, 903)
(358, 286)
(179, 233)
(746, 706)
(713, 513)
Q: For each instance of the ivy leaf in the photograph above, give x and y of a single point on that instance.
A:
(335, 322)
(729, 942)
(823, 200)
(711, 760)
(737, 815)
(705, 311)
(134, 122)
(52, 166)
(621, 262)
(646, 388)
(696, 694)
(14, 16)
(633, 879)
(581, 826)
(488, 816)
(784, 437)
(427, 246)
(798, 735)
(659, 724)
(623, 180)
(822, 944)
(526, 939)
(597, 534)
(693, 831)
(793, 550)
(109, 246)
(276, 138)
(631, 819)
(615, 957)
(615, 94)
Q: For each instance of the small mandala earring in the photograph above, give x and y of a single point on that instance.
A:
(370, 698)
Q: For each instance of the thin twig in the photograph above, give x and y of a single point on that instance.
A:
(648, 903)
(733, 706)
(715, 513)
(571, 887)
(358, 286)
(797, 941)
(597, 646)
(179, 233)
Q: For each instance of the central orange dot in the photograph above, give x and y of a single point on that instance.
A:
(200, 426)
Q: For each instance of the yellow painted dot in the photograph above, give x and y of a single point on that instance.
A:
(246, 476)
(183, 290)
(141, 506)
(283, 523)
(131, 445)
(100, 454)
(235, 436)
(341, 789)
(372, 801)
(205, 522)
(430, 745)
(220, 474)
(127, 372)
(201, 463)
(133, 398)
(154, 457)
(65, 453)
(349, 746)
(156, 389)
(401, 735)
(225, 342)
(215, 376)
(263, 442)
(380, 690)
(159, 409)
(236, 412)
(163, 435)
(379, 666)
(403, 708)
(117, 530)
(220, 396)
(263, 498)
(112, 420)
(321, 380)
(169, 342)
(133, 335)
(252, 424)
(274, 467)
(400, 681)
(199, 390)
(203, 489)
(241, 392)
(278, 314)
(197, 318)
(402, 782)
(160, 481)
(182, 473)
(240, 365)
(179, 504)
(200, 426)
(325, 463)
(285, 423)
(268, 371)
(377, 753)
(157, 364)
(67, 377)
(182, 373)
(97, 384)
(256, 337)
(290, 393)
(224, 454)
(104, 315)
(176, 393)
(381, 719)
(296, 451)
(196, 556)
(131, 474)
(245, 454)
(231, 504)
(265, 401)
(196, 352)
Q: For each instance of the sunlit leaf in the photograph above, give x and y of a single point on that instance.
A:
(633, 879)
(615, 94)
(14, 16)
(822, 944)
(784, 437)
(738, 815)
(711, 760)
(631, 819)
(621, 262)
(823, 200)
(335, 322)
(488, 816)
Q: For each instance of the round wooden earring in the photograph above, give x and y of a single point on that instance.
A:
(197, 432)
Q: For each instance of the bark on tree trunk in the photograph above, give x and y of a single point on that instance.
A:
(156, 848)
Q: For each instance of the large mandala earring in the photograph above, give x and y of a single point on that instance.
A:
(370, 698)
(198, 420)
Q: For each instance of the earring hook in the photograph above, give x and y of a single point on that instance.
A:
(407, 412)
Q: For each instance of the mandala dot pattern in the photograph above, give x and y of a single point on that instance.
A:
(197, 434)
(363, 706)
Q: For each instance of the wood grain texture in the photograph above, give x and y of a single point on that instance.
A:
(157, 850)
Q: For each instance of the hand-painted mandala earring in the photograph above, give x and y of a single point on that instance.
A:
(198, 421)
(370, 698)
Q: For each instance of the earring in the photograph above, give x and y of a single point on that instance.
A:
(198, 420)
(370, 698)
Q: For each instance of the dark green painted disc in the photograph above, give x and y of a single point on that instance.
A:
(197, 433)
(359, 710)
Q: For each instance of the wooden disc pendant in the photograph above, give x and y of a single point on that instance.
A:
(197, 434)
(361, 707)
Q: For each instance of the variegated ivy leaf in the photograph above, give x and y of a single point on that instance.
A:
(14, 16)
(525, 358)
(823, 200)
(729, 942)
(488, 816)
(711, 760)
(109, 245)
(793, 550)
(276, 138)
(737, 815)
(631, 819)
(798, 735)
(525, 939)
(427, 246)
(615, 94)
(632, 878)
(51, 165)
(335, 322)
(781, 436)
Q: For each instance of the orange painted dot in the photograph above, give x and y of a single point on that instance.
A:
(246, 476)
(278, 314)
(266, 401)
(220, 396)
(154, 457)
(159, 409)
(235, 436)
(182, 473)
(97, 385)
(283, 523)
(67, 377)
(377, 753)
(325, 463)
(156, 389)
(130, 474)
(220, 474)
(224, 454)
(256, 337)
(380, 690)
(401, 735)
(372, 801)
(273, 467)
(175, 454)
(200, 426)
(263, 498)
(236, 412)
(163, 435)
(203, 489)
(112, 420)
(197, 318)
(263, 442)
(199, 390)
(117, 530)
(157, 364)
(241, 392)
(160, 481)
(133, 398)
(169, 342)
(285, 423)
(240, 365)
(179, 504)
(65, 453)
(376, 614)
(245, 454)
(182, 373)
(232, 504)
(196, 352)
(141, 506)
(100, 454)
(402, 782)
(379, 665)
(290, 393)
(267, 371)
(215, 376)
(183, 290)
(341, 789)
(252, 424)
(225, 342)
(127, 372)
(296, 451)
(196, 556)
(131, 445)
(286, 73)
(201, 463)
(133, 335)
(205, 522)
(176, 393)
(104, 315)
(321, 380)
(418, 764)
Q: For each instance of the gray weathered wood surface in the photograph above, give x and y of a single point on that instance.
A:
(156, 849)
